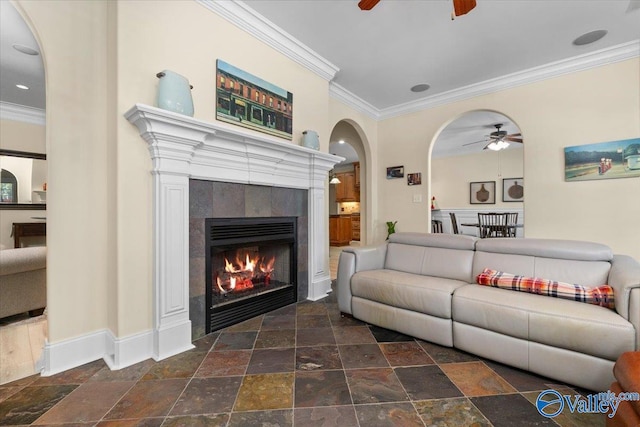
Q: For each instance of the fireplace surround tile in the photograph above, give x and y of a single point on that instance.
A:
(200, 199)
(239, 200)
(257, 201)
(228, 200)
(196, 237)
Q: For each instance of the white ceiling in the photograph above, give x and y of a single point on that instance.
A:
(16, 67)
(400, 43)
(383, 52)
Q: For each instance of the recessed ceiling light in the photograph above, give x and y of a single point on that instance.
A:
(25, 49)
(23, 87)
(341, 141)
(420, 88)
(590, 37)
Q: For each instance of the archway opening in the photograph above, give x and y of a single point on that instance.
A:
(347, 193)
(22, 114)
(477, 165)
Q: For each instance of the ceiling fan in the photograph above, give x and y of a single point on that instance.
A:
(460, 7)
(499, 139)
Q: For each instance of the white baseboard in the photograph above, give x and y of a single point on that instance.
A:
(127, 351)
(74, 352)
(319, 288)
(117, 353)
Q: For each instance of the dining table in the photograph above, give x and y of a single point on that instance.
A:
(494, 228)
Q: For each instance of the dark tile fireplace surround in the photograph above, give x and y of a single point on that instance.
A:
(214, 199)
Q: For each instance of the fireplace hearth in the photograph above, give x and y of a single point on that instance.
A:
(250, 268)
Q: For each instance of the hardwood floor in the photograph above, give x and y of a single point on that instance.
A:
(21, 342)
(334, 255)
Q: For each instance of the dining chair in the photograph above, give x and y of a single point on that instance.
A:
(436, 226)
(512, 220)
(492, 224)
(454, 223)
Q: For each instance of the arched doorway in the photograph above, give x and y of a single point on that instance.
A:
(463, 158)
(22, 112)
(347, 199)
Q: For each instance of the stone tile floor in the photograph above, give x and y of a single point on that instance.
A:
(302, 365)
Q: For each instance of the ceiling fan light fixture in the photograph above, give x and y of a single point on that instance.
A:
(498, 145)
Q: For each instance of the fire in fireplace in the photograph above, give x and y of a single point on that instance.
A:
(250, 267)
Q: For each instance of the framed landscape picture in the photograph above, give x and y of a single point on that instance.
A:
(603, 160)
(482, 193)
(513, 190)
(248, 101)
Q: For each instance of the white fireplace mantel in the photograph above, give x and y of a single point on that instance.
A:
(184, 148)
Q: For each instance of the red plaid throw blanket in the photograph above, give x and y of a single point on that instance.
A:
(601, 295)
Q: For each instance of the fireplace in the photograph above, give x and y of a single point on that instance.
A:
(251, 267)
(184, 149)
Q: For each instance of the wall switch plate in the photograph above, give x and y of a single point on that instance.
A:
(417, 198)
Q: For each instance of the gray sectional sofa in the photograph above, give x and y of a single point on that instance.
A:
(424, 285)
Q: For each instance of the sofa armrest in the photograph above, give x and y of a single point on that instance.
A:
(623, 277)
(20, 260)
(351, 261)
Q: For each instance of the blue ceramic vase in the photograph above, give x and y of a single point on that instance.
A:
(310, 139)
(174, 93)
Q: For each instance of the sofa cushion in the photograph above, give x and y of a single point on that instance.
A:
(548, 248)
(600, 295)
(439, 255)
(423, 294)
(585, 328)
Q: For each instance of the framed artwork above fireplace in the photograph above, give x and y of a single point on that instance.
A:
(251, 102)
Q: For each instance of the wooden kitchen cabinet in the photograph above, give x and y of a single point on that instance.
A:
(346, 190)
(339, 230)
(355, 226)
(356, 173)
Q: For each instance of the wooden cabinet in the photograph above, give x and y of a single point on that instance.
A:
(356, 172)
(355, 227)
(339, 230)
(27, 229)
(346, 190)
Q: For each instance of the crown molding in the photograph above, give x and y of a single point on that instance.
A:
(238, 13)
(22, 113)
(247, 19)
(583, 62)
(338, 92)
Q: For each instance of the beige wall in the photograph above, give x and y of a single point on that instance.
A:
(22, 136)
(597, 105)
(450, 176)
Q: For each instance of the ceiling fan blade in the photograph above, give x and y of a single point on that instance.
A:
(367, 4)
(515, 134)
(471, 143)
(462, 7)
(512, 139)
